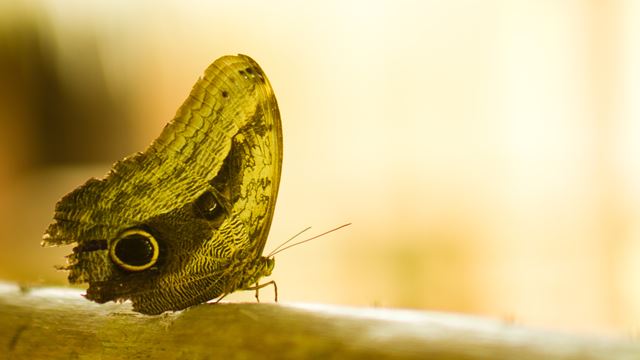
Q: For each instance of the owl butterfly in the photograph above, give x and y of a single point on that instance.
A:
(186, 220)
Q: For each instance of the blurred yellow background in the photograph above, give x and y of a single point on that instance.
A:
(486, 152)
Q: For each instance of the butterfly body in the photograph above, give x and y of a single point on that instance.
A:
(186, 220)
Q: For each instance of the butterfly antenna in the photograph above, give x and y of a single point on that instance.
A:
(281, 248)
(288, 241)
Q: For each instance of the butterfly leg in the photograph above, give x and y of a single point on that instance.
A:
(220, 298)
(260, 286)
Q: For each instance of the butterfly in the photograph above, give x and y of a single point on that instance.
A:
(185, 221)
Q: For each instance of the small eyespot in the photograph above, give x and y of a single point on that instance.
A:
(225, 93)
(134, 250)
(207, 206)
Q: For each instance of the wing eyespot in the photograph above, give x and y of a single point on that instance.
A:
(134, 250)
(208, 207)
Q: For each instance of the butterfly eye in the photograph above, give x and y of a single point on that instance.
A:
(207, 206)
(134, 250)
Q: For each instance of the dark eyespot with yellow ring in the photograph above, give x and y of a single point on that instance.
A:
(134, 250)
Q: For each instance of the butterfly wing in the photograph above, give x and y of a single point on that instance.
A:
(204, 192)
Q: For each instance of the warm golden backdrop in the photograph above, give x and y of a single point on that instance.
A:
(487, 152)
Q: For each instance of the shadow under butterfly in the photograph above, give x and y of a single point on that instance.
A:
(186, 220)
